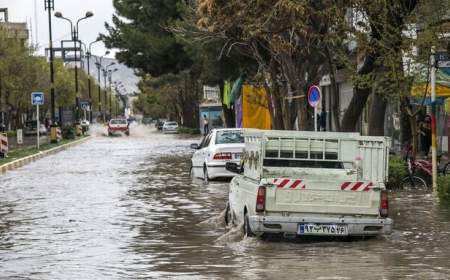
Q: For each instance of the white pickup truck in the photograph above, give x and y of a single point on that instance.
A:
(310, 183)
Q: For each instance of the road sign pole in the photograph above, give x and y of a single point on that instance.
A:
(38, 125)
(315, 118)
(433, 123)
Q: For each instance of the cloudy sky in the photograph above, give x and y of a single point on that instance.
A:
(24, 11)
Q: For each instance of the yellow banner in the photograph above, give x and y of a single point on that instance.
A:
(255, 108)
(441, 91)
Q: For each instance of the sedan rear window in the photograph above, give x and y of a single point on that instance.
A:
(118, 121)
(229, 137)
(170, 123)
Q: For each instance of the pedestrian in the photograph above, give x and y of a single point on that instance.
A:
(205, 124)
(425, 135)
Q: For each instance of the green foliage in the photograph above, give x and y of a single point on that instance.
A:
(21, 72)
(144, 40)
(397, 171)
(443, 183)
(187, 130)
(68, 132)
(12, 133)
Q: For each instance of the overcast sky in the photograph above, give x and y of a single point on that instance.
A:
(24, 11)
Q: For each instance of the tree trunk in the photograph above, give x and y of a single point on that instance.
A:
(376, 116)
(334, 88)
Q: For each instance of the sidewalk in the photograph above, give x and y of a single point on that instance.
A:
(20, 157)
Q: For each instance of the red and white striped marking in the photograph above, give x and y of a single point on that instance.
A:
(3, 143)
(289, 183)
(357, 186)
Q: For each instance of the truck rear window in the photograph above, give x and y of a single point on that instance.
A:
(303, 163)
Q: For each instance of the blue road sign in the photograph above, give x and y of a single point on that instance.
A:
(37, 98)
(84, 105)
(314, 96)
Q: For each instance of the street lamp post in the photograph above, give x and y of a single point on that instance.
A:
(50, 6)
(110, 72)
(98, 63)
(105, 75)
(74, 32)
(88, 56)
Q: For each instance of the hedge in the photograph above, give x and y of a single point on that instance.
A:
(444, 189)
(397, 171)
(187, 130)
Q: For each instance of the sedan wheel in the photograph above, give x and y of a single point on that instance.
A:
(205, 175)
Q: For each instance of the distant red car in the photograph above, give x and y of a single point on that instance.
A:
(118, 125)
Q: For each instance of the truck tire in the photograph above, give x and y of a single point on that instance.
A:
(247, 230)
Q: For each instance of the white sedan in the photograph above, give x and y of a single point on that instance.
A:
(170, 127)
(217, 148)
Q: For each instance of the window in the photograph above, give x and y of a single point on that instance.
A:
(206, 141)
(229, 137)
(119, 122)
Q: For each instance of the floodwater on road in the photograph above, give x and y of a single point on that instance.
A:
(126, 208)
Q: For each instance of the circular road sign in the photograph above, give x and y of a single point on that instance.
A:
(314, 96)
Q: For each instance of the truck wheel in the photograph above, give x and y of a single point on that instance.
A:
(127, 133)
(228, 218)
(247, 230)
(109, 134)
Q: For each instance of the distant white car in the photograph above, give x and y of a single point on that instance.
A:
(170, 127)
(217, 148)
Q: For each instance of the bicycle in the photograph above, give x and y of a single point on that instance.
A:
(413, 181)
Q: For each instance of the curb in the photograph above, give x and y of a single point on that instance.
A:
(29, 159)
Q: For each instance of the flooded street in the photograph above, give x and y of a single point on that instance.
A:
(126, 208)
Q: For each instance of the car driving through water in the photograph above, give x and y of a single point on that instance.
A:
(217, 148)
(310, 183)
(116, 126)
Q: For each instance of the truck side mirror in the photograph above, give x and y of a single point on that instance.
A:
(233, 167)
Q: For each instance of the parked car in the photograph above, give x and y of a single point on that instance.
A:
(310, 183)
(159, 123)
(118, 126)
(217, 148)
(170, 127)
(31, 128)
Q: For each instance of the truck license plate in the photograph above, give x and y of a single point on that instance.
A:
(322, 229)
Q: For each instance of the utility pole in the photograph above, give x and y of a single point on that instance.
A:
(50, 6)
(433, 121)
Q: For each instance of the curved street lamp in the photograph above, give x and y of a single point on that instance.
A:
(98, 64)
(75, 39)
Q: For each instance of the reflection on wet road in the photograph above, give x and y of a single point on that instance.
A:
(125, 208)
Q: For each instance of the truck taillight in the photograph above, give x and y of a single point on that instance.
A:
(261, 199)
(222, 156)
(384, 204)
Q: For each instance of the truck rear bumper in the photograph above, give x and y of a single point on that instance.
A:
(289, 225)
